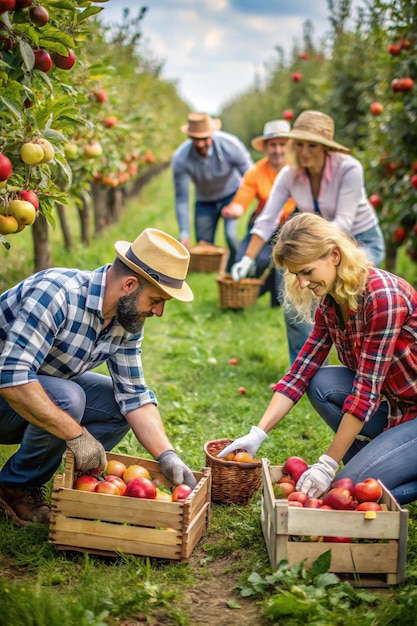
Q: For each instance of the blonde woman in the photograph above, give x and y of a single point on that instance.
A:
(370, 402)
(324, 179)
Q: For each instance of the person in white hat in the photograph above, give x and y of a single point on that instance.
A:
(324, 179)
(257, 184)
(56, 326)
(214, 161)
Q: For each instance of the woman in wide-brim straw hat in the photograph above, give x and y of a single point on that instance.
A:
(322, 178)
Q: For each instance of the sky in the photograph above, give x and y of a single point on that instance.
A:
(214, 49)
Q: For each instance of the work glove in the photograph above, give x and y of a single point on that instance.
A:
(318, 478)
(175, 470)
(249, 442)
(241, 269)
(88, 452)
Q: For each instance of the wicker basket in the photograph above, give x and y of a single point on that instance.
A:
(231, 482)
(239, 295)
(206, 257)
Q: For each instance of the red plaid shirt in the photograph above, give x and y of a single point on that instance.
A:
(378, 343)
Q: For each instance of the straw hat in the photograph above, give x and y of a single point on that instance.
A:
(201, 125)
(161, 259)
(316, 127)
(272, 130)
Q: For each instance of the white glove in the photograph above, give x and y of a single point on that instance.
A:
(249, 442)
(318, 478)
(175, 470)
(241, 269)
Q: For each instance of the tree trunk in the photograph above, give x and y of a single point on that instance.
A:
(115, 204)
(85, 214)
(41, 247)
(99, 195)
(66, 233)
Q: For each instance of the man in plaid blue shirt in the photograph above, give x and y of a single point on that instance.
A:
(55, 327)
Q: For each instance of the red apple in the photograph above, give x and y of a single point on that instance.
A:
(297, 496)
(313, 503)
(339, 498)
(141, 488)
(375, 200)
(369, 506)
(39, 15)
(64, 62)
(119, 482)
(414, 181)
(347, 483)
(242, 390)
(327, 507)
(294, 466)
(284, 489)
(85, 482)
(338, 539)
(181, 492)
(43, 61)
(399, 235)
(369, 490)
(5, 167)
(288, 114)
(101, 95)
(110, 121)
(105, 486)
(394, 49)
(303, 56)
(29, 196)
(7, 5)
(296, 504)
(296, 77)
(23, 4)
(233, 361)
(376, 108)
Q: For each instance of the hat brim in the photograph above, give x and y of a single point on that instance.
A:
(307, 136)
(215, 124)
(258, 143)
(184, 294)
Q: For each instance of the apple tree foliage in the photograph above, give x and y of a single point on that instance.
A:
(111, 97)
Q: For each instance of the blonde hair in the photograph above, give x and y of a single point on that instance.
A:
(292, 157)
(307, 237)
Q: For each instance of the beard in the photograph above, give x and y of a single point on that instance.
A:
(127, 313)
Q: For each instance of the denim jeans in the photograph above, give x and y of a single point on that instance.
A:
(273, 281)
(388, 455)
(207, 216)
(298, 332)
(89, 399)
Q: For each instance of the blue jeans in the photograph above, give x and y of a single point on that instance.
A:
(388, 455)
(89, 399)
(273, 281)
(207, 216)
(298, 332)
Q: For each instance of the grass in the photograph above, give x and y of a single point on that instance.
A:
(199, 401)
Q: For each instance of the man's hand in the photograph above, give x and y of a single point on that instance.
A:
(175, 470)
(318, 478)
(249, 442)
(88, 452)
(241, 269)
(232, 210)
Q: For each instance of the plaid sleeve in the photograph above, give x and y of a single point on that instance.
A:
(385, 310)
(41, 311)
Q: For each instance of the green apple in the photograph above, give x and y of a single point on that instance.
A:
(48, 149)
(93, 150)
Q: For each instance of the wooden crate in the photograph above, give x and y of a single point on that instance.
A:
(105, 524)
(376, 557)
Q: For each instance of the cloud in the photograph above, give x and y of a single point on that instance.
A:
(213, 49)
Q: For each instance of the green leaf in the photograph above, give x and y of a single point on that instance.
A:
(232, 604)
(322, 563)
(89, 12)
(11, 106)
(285, 603)
(27, 54)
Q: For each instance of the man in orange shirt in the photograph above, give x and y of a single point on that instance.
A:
(257, 183)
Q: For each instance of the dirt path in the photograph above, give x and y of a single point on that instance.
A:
(208, 599)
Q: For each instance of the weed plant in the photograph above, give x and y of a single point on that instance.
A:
(199, 401)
